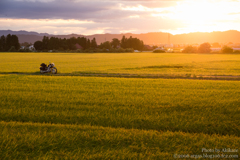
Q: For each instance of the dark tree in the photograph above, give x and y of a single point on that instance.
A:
(204, 48)
(12, 41)
(115, 42)
(105, 45)
(64, 44)
(54, 43)
(226, 49)
(2, 43)
(71, 43)
(189, 49)
(15, 42)
(45, 45)
(88, 45)
(82, 41)
(134, 43)
(8, 42)
(123, 42)
(93, 43)
(38, 45)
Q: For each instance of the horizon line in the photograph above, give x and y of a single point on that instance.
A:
(122, 33)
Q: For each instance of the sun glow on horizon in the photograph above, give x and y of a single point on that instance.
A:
(203, 16)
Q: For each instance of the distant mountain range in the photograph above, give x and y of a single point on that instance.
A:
(6, 32)
(148, 38)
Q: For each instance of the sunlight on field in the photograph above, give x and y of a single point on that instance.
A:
(130, 63)
(68, 116)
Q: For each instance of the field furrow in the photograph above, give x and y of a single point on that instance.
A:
(50, 141)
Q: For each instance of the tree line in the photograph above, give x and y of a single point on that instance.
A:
(9, 43)
(206, 48)
(54, 43)
(124, 43)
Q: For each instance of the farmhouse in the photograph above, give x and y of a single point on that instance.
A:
(216, 49)
(31, 48)
(159, 48)
(236, 49)
(219, 49)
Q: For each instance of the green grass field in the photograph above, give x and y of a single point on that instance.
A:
(90, 110)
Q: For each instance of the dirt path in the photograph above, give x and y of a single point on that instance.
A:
(156, 76)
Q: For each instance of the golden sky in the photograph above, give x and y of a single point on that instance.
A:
(119, 16)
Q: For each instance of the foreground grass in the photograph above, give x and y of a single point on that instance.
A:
(56, 141)
(194, 106)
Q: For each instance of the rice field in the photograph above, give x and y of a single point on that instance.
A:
(128, 63)
(77, 114)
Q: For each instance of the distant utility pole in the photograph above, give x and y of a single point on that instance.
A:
(168, 38)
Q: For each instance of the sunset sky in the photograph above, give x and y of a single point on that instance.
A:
(119, 16)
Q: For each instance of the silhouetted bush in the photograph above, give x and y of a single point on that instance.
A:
(159, 51)
(131, 50)
(226, 49)
(190, 49)
(204, 48)
(237, 51)
(24, 50)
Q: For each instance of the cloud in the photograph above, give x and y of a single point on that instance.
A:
(61, 9)
(117, 16)
(235, 13)
(72, 16)
(74, 9)
(152, 4)
(52, 26)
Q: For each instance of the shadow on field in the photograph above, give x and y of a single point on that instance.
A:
(22, 73)
(126, 75)
(159, 67)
